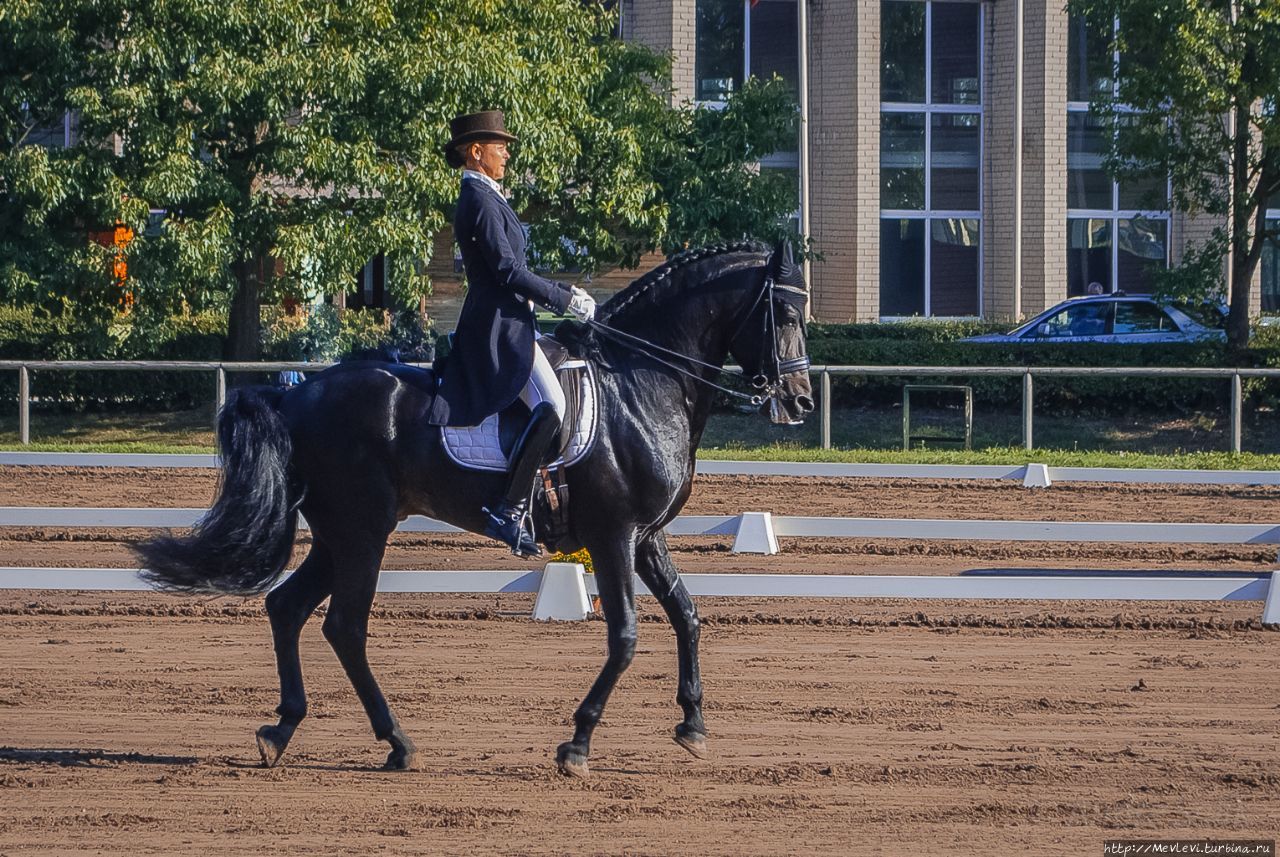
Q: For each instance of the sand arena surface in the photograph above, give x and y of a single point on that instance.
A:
(126, 720)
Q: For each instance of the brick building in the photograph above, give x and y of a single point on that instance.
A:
(912, 118)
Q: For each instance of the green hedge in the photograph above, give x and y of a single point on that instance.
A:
(31, 335)
(923, 344)
(321, 335)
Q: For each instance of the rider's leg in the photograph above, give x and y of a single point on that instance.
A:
(507, 517)
(543, 385)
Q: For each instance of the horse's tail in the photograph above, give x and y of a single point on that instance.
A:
(243, 542)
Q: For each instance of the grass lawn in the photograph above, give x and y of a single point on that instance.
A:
(868, 435)
(172, 432)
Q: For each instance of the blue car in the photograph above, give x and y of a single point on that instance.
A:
(1117, 317)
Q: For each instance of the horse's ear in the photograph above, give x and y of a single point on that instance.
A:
(786, 271)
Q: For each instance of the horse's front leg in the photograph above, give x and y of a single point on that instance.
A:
(614, 565)
(658, 572)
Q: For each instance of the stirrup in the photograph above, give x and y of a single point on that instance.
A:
(507, 524)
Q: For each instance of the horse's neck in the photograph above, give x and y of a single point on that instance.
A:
(696, 324)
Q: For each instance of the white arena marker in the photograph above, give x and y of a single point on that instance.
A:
(563, 593)
(755, 534)
(1271, 607)
(1037, 477)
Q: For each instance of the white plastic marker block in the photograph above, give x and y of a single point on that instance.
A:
(755, 534)
(563, 593)
(1037, 477)
(1271, 607)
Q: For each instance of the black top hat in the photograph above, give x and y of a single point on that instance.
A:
(472, 127)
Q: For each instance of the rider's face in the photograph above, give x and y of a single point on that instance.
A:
(489, 158)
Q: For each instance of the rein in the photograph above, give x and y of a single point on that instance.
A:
(645, 347)
(768, 386)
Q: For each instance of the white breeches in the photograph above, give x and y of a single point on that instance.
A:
(543, 385)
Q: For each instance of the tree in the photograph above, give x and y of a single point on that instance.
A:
(1195, 99)
(261, 147)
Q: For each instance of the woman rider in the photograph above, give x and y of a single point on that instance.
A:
(495, 359)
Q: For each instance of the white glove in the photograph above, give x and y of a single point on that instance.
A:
(582, 305)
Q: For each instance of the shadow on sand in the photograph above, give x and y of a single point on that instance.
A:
(67, 757)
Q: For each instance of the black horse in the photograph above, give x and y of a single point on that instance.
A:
(349, 449)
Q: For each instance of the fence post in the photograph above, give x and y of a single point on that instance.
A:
(1027, 407)
(826, 409)
(1237, 396)
(24, 406)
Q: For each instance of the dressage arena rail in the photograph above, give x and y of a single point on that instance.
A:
(824, 374)
(562, 587)
(1030, 475)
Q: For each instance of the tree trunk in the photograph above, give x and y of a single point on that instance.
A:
(1238, 312)
(244, 323)
(1238, 249)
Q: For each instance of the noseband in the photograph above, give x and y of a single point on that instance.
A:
(770, 385)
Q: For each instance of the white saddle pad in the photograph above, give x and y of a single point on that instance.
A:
(477, 447)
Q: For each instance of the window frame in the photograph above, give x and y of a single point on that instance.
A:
(1270, 220)
(929, 108)
(1115, 214)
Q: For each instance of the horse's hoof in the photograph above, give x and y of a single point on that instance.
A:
(571, 761)
(401, 756)
(271, 745)
(693, 741)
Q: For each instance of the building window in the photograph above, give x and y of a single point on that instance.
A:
(1117, 232)
(718, 62)
(737, 39)
(1088, 62)
(930, 157)
(53, 131)
(1271, 258)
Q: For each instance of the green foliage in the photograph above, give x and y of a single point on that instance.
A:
(1195, 99)
(323, 334)
(31, 334)
(27, 333)
(823, 336)
(230, 133)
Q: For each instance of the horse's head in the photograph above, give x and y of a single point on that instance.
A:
(769, 344)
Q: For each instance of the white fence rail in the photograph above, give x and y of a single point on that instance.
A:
(737, 525)
(1057, 586)
(756, 532)
(1028, 474)
(1028, 374)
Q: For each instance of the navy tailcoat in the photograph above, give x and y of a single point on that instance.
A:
(492, 354)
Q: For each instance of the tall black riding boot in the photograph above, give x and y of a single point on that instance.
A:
(508, 518)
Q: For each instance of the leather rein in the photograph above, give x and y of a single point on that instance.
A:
(769, 385)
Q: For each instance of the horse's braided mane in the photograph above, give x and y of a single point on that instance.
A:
(652, 285)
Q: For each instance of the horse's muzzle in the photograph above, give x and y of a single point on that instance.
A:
(790, 413)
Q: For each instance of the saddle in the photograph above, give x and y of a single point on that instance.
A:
(488, 446)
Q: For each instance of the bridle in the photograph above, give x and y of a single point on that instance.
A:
(768, 381)
(773, 291)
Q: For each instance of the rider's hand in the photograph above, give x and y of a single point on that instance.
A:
(582, 305)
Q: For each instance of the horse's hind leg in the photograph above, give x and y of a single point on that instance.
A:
(346, 627)
(290, 605)
(658, 572)
(614, 565)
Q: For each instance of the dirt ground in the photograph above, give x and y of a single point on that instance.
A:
(837, 727)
